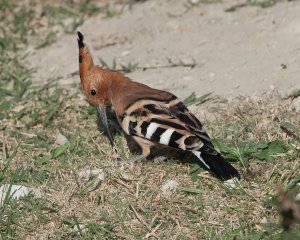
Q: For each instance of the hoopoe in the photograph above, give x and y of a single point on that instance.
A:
(151, 116)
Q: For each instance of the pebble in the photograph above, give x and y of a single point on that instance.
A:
(17, 191)
(61, 139)
(169, 187)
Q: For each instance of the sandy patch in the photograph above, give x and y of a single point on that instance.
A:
(247, 51)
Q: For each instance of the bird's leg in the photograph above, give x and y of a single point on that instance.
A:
(145, 145)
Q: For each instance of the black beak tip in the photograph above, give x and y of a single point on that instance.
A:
(80, 40)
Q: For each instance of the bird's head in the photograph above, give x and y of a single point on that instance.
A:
(95, 87)
(94, 80)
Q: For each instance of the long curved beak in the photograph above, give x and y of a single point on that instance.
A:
(103, 121)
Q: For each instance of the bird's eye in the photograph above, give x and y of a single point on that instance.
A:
(93, 92)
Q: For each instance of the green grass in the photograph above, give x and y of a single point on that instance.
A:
(253, 3)
(37, 23)
(259, 136)
(132, 67)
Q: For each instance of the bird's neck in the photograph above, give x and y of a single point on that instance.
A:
(118, 86)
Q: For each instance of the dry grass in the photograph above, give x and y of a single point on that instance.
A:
(129, 202)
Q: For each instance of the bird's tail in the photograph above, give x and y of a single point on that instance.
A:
(213, 161)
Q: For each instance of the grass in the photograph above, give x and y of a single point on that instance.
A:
(258, 135)
(253, 3)
(132, 67)
(129, 202)
(37, 23)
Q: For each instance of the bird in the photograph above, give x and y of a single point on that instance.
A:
(152, 117)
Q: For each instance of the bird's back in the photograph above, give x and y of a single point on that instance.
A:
(158, 116)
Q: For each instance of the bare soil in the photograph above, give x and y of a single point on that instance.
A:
(247, 51)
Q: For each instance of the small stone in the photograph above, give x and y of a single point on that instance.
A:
(169, 187)
(61, 139)
(17, 191)
(88, 175)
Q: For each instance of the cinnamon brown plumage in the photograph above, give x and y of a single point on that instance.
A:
(150, 116)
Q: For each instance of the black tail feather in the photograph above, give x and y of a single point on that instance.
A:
(218, 165)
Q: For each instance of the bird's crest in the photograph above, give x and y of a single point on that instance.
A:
(80, 40)
(85, 58)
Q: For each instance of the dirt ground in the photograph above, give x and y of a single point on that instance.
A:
(250, 50)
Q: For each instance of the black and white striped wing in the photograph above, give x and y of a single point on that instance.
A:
(180, 111)
(168, 123)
